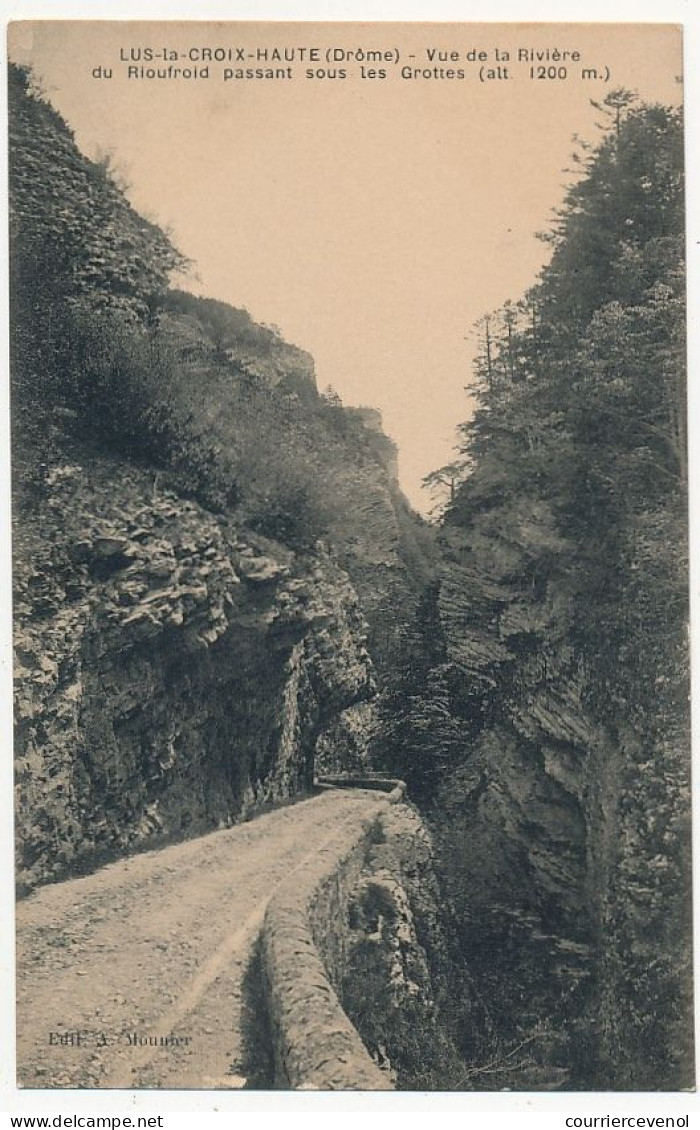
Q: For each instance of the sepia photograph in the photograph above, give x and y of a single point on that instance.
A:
(350, 557)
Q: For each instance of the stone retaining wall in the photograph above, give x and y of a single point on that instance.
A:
(315, 1045)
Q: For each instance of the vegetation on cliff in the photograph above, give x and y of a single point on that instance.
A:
(187, 508)
(544, 699)
(104, 353)
(194, 521)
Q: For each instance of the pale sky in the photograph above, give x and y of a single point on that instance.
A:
(372, 220)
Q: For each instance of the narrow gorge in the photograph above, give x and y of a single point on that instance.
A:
(224, 605)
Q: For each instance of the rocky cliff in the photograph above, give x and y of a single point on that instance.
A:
(561, 827)
(206, 550)
(214, 572)
(395, 980)
(354, 958)
(547, 699)
(73, 214)
(174, 671)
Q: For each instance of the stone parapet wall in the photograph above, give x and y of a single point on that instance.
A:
(315, 1045)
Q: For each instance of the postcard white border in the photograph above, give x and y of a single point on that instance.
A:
(497, 1110)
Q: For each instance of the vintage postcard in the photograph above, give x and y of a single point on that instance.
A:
(350, 556)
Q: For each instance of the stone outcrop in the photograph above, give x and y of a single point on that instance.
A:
(344, 747)
(173, 671)
(384, 448)
(206, 554)
(395, 965)
(511, 818)
(68, 209)
(203, 330)
(352, 951)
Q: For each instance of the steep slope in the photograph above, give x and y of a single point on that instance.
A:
(193, 524)
(71, 217)
(544, 700)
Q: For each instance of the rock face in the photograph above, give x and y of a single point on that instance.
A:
(561, 826)
(206, 554)
(69, 209)
(173, 671)
(174, 668)
(385, 449)
(512, 848)
(344, 747)
(512, 816)
(394, 983)
(359, 926)
(204, 330)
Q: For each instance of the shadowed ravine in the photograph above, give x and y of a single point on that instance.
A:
(221, 594)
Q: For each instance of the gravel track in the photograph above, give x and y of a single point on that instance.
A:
(142, 975)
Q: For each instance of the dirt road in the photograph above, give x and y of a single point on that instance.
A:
(144, 973)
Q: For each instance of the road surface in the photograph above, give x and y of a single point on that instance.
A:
(144, 974)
